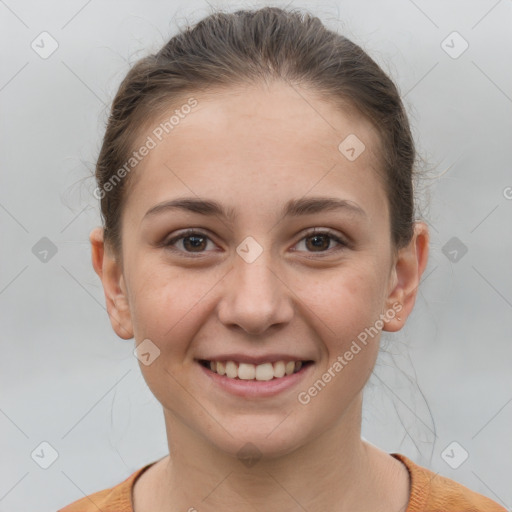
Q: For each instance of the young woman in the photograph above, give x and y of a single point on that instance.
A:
(256, 187)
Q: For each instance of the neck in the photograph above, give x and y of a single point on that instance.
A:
(334, 471)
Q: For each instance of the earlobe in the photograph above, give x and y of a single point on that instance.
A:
(410, 263)
(108, 270)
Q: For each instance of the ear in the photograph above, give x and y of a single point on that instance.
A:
(111, 276)
(405, 277)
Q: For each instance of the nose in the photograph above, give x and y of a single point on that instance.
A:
(256, 296)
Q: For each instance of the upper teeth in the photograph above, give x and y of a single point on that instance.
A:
(246, 371)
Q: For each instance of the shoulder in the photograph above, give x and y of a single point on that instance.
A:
(432, 492)
(114, 499)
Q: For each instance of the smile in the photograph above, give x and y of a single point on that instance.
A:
(260, 372)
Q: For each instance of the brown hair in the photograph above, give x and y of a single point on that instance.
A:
(251, 46)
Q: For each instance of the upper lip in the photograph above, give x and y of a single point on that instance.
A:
(246, 358)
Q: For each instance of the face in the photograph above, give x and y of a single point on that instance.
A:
(273, 276)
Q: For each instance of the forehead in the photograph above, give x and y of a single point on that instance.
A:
(273, 136)
(286, 119)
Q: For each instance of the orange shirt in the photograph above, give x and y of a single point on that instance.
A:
(430, 492)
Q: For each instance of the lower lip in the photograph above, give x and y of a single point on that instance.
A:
(257, 388)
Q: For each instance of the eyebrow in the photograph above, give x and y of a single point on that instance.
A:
(293, 208)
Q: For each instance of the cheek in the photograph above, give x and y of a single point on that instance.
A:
(166, 307)
(160, 301)
(343, 301)
(168, 304)
(345, 314)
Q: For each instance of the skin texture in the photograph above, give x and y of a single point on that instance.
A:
(252, 149)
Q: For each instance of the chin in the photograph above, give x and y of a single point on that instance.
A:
(255, 438)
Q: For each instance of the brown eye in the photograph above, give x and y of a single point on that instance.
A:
(320, 241)
(191, 242)
(195, 242)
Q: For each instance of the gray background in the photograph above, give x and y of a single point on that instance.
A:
(66, 379)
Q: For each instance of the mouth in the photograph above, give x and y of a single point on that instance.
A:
(252, 372)
(254, 382)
